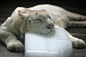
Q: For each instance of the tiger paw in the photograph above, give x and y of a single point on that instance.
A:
(15, 46)
(78, 43)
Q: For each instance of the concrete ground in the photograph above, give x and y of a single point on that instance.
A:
(78, 32)
(6, 8)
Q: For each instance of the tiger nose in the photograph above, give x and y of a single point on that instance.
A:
(50, 27)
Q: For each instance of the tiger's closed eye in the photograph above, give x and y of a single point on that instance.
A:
(38, 19)
(49, 17)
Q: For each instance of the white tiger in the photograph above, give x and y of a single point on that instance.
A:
(41, 19)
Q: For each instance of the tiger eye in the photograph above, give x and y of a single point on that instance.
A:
(39, 19)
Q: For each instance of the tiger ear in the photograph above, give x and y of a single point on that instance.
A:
(43, 10)
(23, 12)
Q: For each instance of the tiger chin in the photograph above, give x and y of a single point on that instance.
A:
(42, 19)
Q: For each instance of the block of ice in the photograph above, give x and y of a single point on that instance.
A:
(54, 45)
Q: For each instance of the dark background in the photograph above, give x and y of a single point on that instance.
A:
(77, 6)
(7, 6)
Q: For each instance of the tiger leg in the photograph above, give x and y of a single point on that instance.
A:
(10, 40)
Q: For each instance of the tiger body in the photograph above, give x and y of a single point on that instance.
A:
(41, 19)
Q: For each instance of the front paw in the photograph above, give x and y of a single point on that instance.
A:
(78, 43)
(15, 46)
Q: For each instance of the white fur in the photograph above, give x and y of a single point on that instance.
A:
(59, 17)
(25, 20)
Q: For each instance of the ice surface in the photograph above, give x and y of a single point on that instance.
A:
(55, 45)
